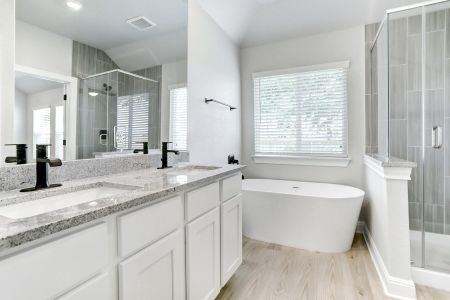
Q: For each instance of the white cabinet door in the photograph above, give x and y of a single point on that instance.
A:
(98, 288)
(203, 256)
(231, 237)
(157, 272)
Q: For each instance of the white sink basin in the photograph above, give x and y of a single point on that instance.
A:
(190, 170)
(52, 203)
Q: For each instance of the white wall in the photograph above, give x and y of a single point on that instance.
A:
(172, 74)
(42, 49)
(7, 16)
(20, 117)
(213, 72)
(318, 49)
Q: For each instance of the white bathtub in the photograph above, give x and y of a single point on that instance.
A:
(312, 216)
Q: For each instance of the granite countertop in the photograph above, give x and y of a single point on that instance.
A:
(145, 186)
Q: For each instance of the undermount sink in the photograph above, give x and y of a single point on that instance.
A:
(190, 170)
(63, 200)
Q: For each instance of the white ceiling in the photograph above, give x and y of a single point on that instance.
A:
(102, 23)
(151, 51)
(255, 22)
(30, 85)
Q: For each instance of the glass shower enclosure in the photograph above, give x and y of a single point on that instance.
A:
(117, 111)
(410, 118)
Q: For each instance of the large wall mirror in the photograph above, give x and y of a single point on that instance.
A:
(100, 77)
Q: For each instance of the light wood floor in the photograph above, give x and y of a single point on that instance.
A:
(276, 272)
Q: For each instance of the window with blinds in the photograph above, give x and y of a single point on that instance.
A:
(302, 111)
(41, 127)
(132, 121)
(178, 117)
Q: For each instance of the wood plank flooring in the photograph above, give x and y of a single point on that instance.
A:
(276, 272)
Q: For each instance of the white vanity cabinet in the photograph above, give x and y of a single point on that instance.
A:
(157, 272)
(186, 246)
(53, 268)
(203, 256)
(231, 227)
(98, 288)
(231, 237)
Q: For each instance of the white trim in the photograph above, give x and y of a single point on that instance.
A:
(437, 280)
(387, 172)
(394, 287)
(177, 86)
(417, 5)
(71, 104)
(302, 160)
(334, 65)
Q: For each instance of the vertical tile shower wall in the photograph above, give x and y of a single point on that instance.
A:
(371, 102)
(101, 114)
(430, 182)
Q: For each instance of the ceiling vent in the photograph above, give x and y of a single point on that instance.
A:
(141, 23)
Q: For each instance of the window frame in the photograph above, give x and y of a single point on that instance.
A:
(171, 88)
(319, 159)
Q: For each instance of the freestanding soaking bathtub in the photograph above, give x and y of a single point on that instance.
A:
(312, 216)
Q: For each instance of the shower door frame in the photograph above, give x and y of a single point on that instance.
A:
(422, 7)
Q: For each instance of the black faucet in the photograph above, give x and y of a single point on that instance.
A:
(42, 165)
(164, 155)
(232, 160)
(21, 154)
(144, 150)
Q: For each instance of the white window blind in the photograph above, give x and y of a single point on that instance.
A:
(41, 127)
(178, 117)
(302, 112)
(132, 121)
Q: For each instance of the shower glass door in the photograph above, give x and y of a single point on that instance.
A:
(436, 151)
(97, 115)
(419, 124)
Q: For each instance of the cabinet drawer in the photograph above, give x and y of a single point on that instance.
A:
(144, 226)
(53, 268)
(202, 200)
(98, 288)
(231, 186)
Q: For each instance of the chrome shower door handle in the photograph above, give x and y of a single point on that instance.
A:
(436, 137)
(115, 136)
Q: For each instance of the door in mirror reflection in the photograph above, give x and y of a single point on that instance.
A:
(48, 128)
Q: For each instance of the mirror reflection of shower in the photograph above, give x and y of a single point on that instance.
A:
(117, 111)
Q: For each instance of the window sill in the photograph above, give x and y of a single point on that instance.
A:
(302, 160)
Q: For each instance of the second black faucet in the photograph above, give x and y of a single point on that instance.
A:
(164, 152)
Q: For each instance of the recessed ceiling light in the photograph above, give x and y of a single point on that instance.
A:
(93, 94)
(75, 5)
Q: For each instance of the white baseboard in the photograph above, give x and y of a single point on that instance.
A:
(437, 280)
(394, 287)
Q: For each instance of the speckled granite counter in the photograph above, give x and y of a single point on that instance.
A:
(148, 185)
